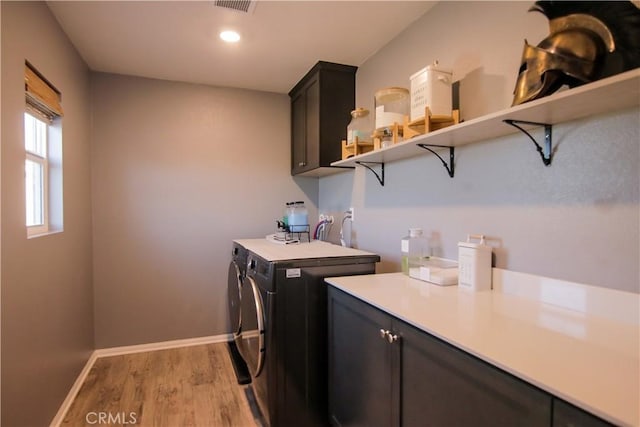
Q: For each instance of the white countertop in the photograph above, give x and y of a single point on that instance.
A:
(271, 251)
(579, 343)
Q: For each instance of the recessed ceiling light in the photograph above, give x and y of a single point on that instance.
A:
(230, 36)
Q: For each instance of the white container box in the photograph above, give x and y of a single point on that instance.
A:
(431, 87)
(474, 264)
(439, 271)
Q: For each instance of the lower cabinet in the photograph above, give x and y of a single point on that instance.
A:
(385, 372)
(444, 386)
(567, 415)
(361, 385)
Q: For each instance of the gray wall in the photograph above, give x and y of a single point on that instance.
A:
(47, 320)
(179, 171)
(576, 220)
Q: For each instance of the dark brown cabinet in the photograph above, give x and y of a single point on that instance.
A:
(567, 415)
(442, 385)
(362, 389)
(321, 105)
(385, 372)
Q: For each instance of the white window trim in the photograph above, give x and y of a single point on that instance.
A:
(35, 230)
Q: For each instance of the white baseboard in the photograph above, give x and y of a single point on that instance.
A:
(75, 388)
(140, 348)
(129, 349)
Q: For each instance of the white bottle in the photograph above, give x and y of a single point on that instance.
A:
(414, 250)
(474, 264)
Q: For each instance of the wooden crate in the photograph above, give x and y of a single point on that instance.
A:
(429, 123)
(397, 132)
(358, 147)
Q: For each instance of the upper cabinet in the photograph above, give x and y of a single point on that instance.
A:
(321, 105)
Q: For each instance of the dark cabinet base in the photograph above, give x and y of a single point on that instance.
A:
(385, 372)
(444, 386)
(360, 380)
(567, 415)
(296, 362)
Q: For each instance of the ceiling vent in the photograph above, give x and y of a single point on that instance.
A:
(246, 6)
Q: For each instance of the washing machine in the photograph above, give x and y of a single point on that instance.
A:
(235, 278)
(283, 333)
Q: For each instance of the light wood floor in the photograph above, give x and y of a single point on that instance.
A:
(188, 386)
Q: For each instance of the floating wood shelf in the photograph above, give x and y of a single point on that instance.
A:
(614, 93)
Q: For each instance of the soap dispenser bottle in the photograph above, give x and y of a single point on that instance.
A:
(414, 250)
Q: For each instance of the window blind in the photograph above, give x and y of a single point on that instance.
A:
(41, 95)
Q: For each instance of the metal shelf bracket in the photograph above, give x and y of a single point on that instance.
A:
(450, 166)
(368, 166)
(546, 151)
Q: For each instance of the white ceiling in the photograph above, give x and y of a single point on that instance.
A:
(281, 40)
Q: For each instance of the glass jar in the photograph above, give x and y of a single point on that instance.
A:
(298, 217)
(392, 104)
(360, 127)
(287, 213)
(387, 138)
(414, 250)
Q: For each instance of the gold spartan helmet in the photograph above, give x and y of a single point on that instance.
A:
(572, 54)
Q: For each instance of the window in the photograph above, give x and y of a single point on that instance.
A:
(36, 174)
(43, 155)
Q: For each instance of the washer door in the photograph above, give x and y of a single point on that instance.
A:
(234, 287)
(251, 343)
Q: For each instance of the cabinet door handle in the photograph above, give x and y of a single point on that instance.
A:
(302, 164)
(391, 337)
(383, 333)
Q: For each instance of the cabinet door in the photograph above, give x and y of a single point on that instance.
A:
(566, 415)
(298, 133)
(360, 360)
(312, 94)
(305, 127)
(444, 386)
